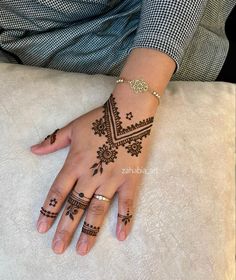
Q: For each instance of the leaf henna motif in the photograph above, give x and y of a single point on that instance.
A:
(76, 201)
(125, 218)
(52, 136)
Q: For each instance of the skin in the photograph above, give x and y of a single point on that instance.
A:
(156, 68)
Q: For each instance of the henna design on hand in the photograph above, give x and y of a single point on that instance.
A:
(52, 136)
(110, 125)
(53, 202)
(48, 213)
(90, 229)
(125, 218)
(129, 116)
(76, 203)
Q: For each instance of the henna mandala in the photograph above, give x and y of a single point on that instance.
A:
(106, 155)
(76, 202)
(52, 136)
(110, 125)
(53, 202)
(90, 229)
(125, 218)
(135, 148)
(48, 213)
(99, 127)
(129, 116)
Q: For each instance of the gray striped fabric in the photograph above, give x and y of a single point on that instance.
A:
(96, 36)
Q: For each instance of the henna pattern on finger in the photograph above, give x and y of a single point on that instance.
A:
(81, 194)
(52, 136)
(90, 229)
(110, 126)
(48, 213)
(125, 218)
(76, 203)
(53, 202)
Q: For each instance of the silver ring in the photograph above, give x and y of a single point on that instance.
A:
(101, 197)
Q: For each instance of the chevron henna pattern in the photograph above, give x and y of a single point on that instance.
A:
(110, 126)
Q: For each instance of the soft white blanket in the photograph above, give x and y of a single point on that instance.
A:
(183, 227)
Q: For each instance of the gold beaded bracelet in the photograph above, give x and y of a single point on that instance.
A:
(139, 86)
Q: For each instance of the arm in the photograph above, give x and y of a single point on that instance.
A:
(165, 30)
(168, 26)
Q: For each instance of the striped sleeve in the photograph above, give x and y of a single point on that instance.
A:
(168, 26)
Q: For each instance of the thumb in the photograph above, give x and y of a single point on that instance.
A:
(59, 139)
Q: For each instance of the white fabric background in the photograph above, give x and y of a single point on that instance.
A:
(183, 227)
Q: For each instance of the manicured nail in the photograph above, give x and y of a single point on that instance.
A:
(42, 227)
(58, 246)
(122, 235)
(83, 248)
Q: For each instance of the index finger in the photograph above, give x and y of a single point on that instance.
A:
(62, 185)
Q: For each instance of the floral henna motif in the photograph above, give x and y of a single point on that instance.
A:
(135, 148)
(99, 127)
(76, 202)
(110, 125)
(129, 116)
(53, 202)
(106, 155)
(52, 136)
(125, 218)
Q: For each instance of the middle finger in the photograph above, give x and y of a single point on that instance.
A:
(77, 202)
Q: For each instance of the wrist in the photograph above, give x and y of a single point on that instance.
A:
(140, 87)
(151, 65)
(141, 105)
(144, 101)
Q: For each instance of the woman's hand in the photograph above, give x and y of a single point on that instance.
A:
(103, 142)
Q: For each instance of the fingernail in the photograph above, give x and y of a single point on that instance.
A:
(83, 248)
(122, 235)
(42, 227)
(58, 246)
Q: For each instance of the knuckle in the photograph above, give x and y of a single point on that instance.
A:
(56, 192)
(61, 233)
(126, 202)
(96, 209)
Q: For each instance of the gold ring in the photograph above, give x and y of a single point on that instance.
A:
(101, 197)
